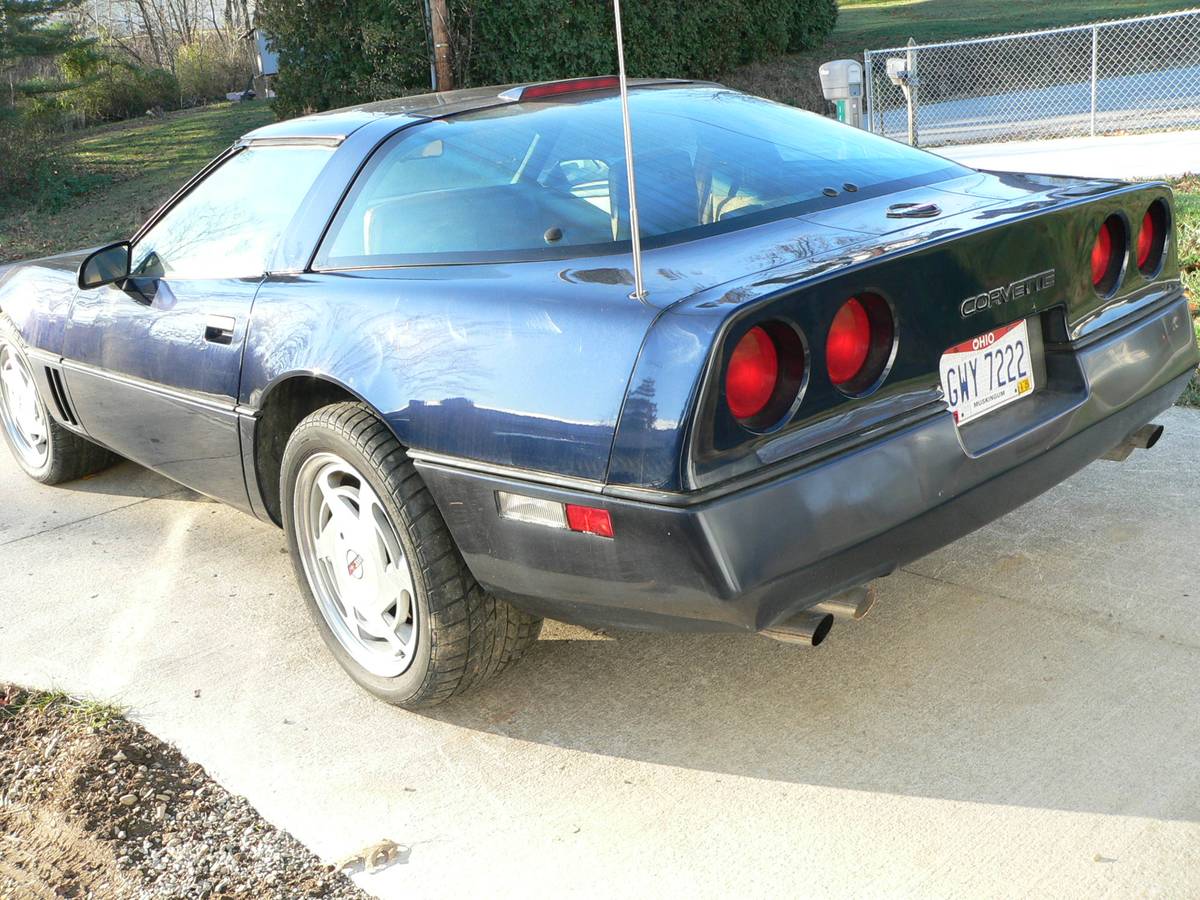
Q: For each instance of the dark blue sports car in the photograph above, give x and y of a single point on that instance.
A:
(408, 333)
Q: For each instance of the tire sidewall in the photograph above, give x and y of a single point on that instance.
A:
(315, 437)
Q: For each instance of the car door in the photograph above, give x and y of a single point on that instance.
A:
(153, 365)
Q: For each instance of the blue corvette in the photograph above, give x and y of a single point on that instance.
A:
(408, 333)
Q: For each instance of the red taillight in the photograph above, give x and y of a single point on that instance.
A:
(1152, 238)
(848, 343)
(557, 88)
(1102, 252)
(1147, 238)
(752, 374)
(589, 520)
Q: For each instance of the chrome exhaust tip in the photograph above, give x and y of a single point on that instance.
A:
(1142, 439)
(850, 605)
(1146, 436)
(808, 629)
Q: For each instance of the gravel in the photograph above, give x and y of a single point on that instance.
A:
(92, 805)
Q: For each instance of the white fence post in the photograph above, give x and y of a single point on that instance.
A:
(1095, 71)
(870, 90)
(913, 81)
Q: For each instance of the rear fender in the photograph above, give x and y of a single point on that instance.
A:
(508, 367)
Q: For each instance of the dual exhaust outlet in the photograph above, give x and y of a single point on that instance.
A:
(1142, 439)
(811, 627)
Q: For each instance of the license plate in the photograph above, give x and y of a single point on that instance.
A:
(987, 372)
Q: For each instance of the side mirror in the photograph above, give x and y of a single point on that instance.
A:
(108, 265)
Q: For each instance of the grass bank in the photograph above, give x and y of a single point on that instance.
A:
(129, 169)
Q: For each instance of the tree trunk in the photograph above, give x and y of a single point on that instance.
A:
(148, 24)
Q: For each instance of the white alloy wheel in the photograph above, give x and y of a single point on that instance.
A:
(355, 565)
(24, 417)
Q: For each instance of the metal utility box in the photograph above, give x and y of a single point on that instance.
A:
(267, 59)
(897, 70)
(842, 82)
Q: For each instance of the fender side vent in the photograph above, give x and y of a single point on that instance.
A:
(59, 392)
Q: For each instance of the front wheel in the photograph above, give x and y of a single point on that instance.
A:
(45, 451)
(389, 591)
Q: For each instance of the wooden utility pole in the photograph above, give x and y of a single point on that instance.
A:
(439, 28)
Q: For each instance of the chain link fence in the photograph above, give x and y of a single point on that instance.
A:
(1113, 77)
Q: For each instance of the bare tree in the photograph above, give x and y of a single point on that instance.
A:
(154, 30)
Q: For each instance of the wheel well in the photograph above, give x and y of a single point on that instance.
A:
(285, 407)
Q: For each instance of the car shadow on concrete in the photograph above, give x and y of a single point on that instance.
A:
(31, 508)
(128, 479)
(942, 692)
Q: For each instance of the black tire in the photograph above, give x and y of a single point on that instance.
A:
(465, 636)
(68, 456)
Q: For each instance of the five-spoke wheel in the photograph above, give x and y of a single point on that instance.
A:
(388, 589)
(26, 423)
(356, 565)
(42, 447)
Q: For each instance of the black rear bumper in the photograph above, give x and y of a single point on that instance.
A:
(752, 557)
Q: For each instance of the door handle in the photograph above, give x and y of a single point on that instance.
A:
(219, 329)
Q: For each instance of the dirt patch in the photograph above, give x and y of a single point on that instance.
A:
(92, 805)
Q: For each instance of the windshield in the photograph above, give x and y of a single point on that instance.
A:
(529, 180)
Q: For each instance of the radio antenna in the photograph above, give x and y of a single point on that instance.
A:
(639, 287)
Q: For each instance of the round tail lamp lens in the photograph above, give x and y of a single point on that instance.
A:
(849, 342)
(752, 375)
(1102, 253)
(1152, 238)
(1146, 238)
(1108, 254)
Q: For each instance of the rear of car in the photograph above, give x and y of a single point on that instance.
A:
(920, 350)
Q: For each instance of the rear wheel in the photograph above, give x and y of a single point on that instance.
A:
(45, 450)
(391, 595)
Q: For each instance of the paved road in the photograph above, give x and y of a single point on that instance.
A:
(1020, 715)
(1143, 101)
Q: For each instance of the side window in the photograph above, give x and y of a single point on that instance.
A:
(229, 224)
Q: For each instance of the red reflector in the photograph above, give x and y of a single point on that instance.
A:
(1146, 239)
(849, 342)
(1102, 252)
(752, 374)
(589, 520)
(570, 86)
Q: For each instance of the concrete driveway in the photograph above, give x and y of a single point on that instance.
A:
(1019, 716)
(1126, 157)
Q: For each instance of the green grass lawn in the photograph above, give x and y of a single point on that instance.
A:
(130, 169)
(880, 24)
(1187, 211)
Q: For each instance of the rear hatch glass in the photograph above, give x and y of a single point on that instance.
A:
(707, 160)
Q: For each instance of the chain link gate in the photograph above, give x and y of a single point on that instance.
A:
(1127, 75)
